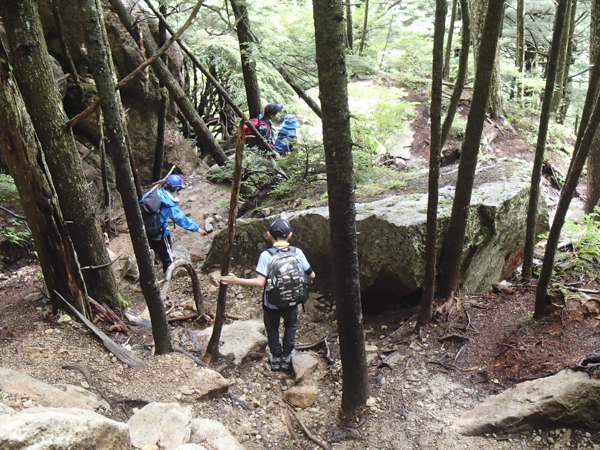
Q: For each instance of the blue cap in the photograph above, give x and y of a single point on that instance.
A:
(175, 181)
(289, 125)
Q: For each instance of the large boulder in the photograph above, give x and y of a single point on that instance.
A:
(567, 399)
(391, 236)
(15, 382)
(239, 338)
(214, 434)
(62, 429)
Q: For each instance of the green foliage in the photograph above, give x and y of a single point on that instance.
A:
(13, 235)
(8, 190)
(123, 303)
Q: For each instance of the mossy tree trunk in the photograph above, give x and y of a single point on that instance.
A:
(593, 166)
(434, 164)
(337, 140)
(536, 175)
(33, 71)
(97, 45)
(23, 154)
(245, 39)
(450, 265)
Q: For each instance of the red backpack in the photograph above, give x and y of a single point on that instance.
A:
(256, 122)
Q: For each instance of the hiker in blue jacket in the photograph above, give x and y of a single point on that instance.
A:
(286, 136)
(162, 244)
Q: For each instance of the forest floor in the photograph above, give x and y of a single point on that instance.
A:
(424, 385)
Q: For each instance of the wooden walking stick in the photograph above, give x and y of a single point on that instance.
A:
(212, 348)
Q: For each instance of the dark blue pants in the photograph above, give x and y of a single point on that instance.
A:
(162, 247)
(290, 325)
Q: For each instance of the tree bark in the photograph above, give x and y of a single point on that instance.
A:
(566, 86)
(33, 71)
(536, 174)
(166, 77)
(450, 265)
(520, 60)
(212, 349)
(461, 76)
(434, 165)
(446, 73)
(561, 63)
(593, 166)
(245, 39)
(331, 63)
(23, 155)
(97, 46)
(478, 13)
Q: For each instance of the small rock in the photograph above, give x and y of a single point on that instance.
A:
(65, 318)
(301, 396)
(371, 401)
(537, 439)
(215, 277)
(304, 366)
(130, 269)
(85, 385)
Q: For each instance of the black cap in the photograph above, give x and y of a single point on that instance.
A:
(280, 228)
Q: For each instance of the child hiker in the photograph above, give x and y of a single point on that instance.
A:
(283, 271)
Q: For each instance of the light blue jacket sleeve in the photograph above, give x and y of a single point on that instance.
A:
(181, 219)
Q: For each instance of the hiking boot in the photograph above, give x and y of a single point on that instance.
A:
(286, 361)
(275, 362)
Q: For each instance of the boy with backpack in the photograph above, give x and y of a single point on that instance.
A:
(264, 124)
(286, 136)
(159, 205)
(283, 271)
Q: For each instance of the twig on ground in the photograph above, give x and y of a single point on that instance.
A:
(288, 422)
(328, 353)
(309, 435)
(260, 433)
(469, 323)
(240, 402)
(82, 369)
(102, 265)
(192, 357)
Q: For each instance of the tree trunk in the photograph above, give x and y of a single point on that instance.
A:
(434, 164)
(520, 62)
(536, 174)
(593, 166)
(446, 73)
(450, 265)
(562, 63)
(103, 72)
(461, 76)
(566, 87)
(159, 150)
(166, 77)
(478, 10)
(23, 155)
(562, 208)
(349, 25)
(287, 76)
(337, 140)
(365, 28)
(245, 39)
(33, 71)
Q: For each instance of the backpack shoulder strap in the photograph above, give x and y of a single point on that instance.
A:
(272, 250)
(292, 248)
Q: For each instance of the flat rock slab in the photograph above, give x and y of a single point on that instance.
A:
(567, 399)
(239, 338)
(190, 447)
(214, 434)
(391, 235)
(15, 382)
(164, 424)
(62, 429)
(5, 409)
(304, 365)
(301, 396)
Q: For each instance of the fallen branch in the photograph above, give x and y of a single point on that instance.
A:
(12, 213)
(192, 357)
(121, 353)
(187, 265)
(260, 433)
(309, 435)
(242, 403)
(288, 422)
(586, 291)
(102, 265)
(80, 368)
(107, 314)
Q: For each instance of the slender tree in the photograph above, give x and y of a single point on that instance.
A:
(449, 40)
(479, 11)
(365, 29)
(561, 62)
(566, 87)
(23, 154)
(434, 164)
(349, 26)
(593, 166)
(577, 164)
(337, 140)
(461, 76)
(245, 39)
(99, 56)
(159, 150)
(455, 234)
(520, 60)
(33, 71)
(536, 175)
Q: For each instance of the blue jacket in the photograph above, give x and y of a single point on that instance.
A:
(169, 210)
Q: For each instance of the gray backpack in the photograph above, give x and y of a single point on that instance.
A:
(286, 280)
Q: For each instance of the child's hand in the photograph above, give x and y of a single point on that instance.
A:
(228, 279)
